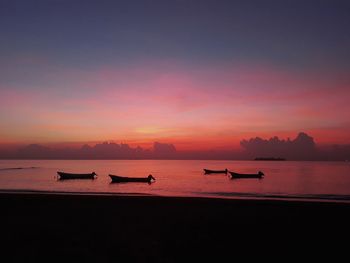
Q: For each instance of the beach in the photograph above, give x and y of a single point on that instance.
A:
(110, 228)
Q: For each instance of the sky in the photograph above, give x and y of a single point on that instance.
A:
(198, 74)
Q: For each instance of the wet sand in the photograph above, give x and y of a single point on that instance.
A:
(164, 229)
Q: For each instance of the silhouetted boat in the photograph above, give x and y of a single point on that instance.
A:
(76, 176)
(123, 179)
(207, 171)
(239, 175)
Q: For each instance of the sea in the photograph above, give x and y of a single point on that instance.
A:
(290, 180)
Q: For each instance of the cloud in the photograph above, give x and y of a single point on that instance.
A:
(105, 150)
(173, 99)
(302, 147)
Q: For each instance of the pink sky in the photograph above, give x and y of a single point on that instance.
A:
(192, 107)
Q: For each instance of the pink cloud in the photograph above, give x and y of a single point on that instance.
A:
(181, 102)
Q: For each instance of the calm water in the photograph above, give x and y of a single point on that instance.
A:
(286, 179)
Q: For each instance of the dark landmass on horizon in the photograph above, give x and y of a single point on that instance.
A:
(270, 159)
(303, 147)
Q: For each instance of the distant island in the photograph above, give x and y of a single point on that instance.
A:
(269, 159)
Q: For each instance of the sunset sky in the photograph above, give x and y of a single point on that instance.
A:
(199, 74)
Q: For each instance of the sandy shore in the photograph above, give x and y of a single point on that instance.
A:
(160, 229)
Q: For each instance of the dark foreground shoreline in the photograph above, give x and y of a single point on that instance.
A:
(168, 229)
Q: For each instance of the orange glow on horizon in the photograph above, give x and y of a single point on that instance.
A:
(194, 109)
(201, 142)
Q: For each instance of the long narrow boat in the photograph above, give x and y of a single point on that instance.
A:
(269, 159)
(258, 175)
(123, 179)
(64, 176)
(207, 171)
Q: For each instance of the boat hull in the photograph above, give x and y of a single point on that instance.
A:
(123, 179)
(65, 176)
(207, 171)
(242, 176)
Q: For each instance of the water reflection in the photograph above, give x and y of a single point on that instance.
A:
(184, 178)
